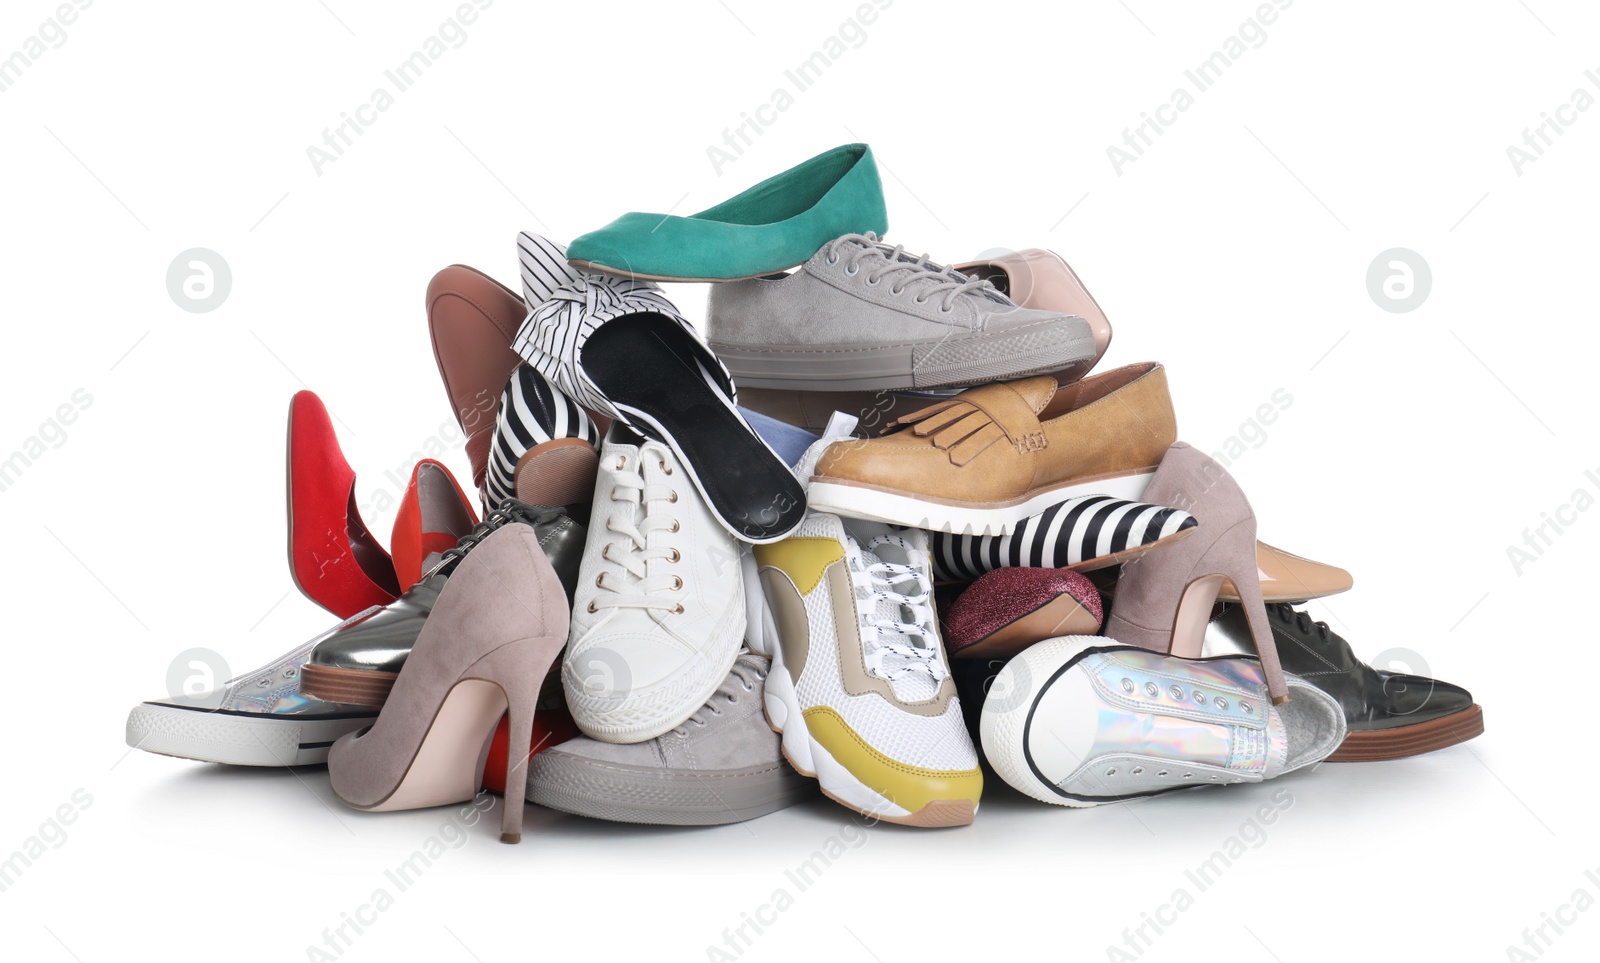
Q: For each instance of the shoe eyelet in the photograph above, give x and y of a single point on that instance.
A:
(265, 682)
(1246, 707)
(897, 291)
(674, 497)
(622, 462)
(676, 556)
(852, 271)
(289, 673)
(830, 260)
(678, 609)
(873, 279)
(605, 552)
(666, 469)
(1127, 685)
(1151, 689)
(592, 609)
(946, 309)
(1199, 698)
(677, 583)
(919, 300)
(1176, 693)
(599, 580)
(1137, 771)
(1112, 771)
(675, 526)
(1221, 704)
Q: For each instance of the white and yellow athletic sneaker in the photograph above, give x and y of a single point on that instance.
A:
(859, 685)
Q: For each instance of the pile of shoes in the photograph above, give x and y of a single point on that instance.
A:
(875, 530)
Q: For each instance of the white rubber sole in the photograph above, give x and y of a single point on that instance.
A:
(647, 721)
(852, 501)
(236, 740)
(809, 758)
(1002, 726)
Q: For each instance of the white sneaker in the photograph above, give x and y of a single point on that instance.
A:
(859, 685)
(659, 611)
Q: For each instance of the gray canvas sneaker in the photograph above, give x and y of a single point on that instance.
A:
(861, 315)
(722, 765)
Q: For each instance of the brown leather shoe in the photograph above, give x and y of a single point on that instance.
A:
(472, 319)
(991, 456)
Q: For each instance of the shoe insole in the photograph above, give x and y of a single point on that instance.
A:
(647, 364)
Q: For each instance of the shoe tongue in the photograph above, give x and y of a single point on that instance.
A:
(621, 434)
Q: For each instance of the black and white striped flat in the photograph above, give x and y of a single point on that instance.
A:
(618, 347)
(1083, 533)
(545, 445)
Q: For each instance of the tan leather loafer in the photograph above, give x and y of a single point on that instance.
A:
(990, 457)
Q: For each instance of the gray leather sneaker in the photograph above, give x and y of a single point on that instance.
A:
(861, 315)
(357, 663)
(722, 765)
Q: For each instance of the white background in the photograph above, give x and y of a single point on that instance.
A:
(1418, 447)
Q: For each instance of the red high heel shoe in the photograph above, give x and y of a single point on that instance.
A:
(434, 514)
(334, 560)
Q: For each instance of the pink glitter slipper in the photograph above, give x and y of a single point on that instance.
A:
(1009, 609)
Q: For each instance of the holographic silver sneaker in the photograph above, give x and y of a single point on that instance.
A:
(260, 718)
(1084, 720)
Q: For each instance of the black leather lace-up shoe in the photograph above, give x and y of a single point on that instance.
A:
(1389, 715)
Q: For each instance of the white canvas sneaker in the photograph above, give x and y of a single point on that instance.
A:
(859, 685)
(659, 610)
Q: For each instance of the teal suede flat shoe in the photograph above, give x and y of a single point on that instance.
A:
(774, 225)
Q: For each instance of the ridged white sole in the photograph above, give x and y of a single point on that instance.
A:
(647, 721)
(236, 740)
(852, 501)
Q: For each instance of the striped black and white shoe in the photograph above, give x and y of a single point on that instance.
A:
(619, 348)
(1084, 533)
(544, 448)
(544, 268)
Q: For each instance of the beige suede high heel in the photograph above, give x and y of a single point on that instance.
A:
(1164, 598)
(494, 632)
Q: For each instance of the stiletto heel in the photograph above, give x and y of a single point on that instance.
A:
(497, 627)
(521, 744)
(1163, 600)
(1255, 611)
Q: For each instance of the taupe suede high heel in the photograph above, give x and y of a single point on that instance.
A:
(1164, 598)
(494, 632)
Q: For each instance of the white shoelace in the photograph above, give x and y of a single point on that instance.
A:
(909, 638)
(931, 279)
(642, 591)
